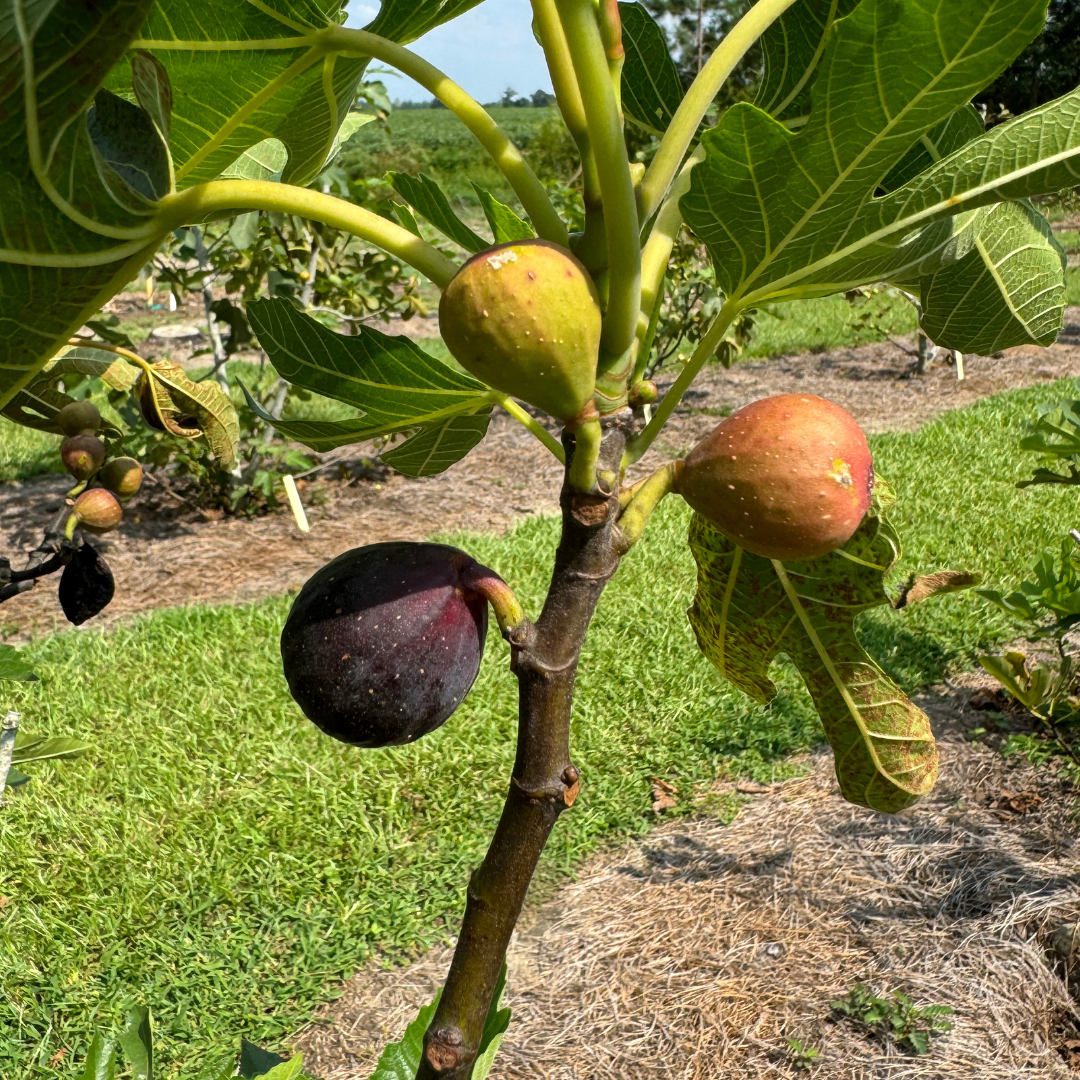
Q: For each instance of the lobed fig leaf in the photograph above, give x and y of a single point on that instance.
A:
(525, 318)
(786, 477)
(749, 609)
(86, 585)
(384, 642)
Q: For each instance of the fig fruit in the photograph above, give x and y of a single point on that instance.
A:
(788, 477)
(82, 455)
(384, 642)
(525, 318)
(79, 418)
(86, 585)
(122, 476)
(97, 510)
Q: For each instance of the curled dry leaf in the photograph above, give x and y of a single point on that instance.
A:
(936, 584)
(171, 402)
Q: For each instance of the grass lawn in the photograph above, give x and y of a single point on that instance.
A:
(220, 860)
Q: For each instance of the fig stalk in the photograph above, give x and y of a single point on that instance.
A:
(544, 782)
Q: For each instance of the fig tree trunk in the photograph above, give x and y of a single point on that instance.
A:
(544, 781)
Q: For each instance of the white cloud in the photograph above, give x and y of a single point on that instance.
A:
(486, 50)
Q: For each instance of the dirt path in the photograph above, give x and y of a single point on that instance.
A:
(160, 561)
(695, 953)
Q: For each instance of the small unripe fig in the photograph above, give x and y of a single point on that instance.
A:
(525, 318)
(383, 643)
(97, 510)
(82, 455)
(86, 585)
(642, 393)
(787, 477)
(78, 418)
(122, 476)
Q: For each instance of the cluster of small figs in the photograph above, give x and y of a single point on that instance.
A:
(106, 485)
(382, 644)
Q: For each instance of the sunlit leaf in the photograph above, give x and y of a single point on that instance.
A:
(749, 609)
(14, 666)
(428, 200)
(434, 448)
(505, 225)
(651, 88)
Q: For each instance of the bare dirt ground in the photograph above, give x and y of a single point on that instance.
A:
(697, 952)
(161, 559)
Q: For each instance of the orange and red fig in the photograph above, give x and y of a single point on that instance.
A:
(787, 477)
(97, 510)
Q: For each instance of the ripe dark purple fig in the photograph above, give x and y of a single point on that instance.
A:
(787, 477)
(79, 418)
(122, 476)
(97, 511)
(82, 455)
(383, 643)
(86, 585)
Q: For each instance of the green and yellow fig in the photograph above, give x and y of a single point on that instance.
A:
(787, 477)
(525, 318)
(122, 476)
(97, 511)
(79, 418)
(82, 455)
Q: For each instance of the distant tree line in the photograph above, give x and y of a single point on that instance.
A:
(510, 99)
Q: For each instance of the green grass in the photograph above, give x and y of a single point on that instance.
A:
(830, 322)
(25, 452)
(1072, 282)
(220, 860)
(436, 143)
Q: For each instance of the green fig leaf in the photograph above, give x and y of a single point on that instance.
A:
(116, 373)
(406, 20)
(945, 138)
(435, 447)
(428, 200)
(14, 667)
(1008, 290)
(495, 1027)
(797, 214)
(39, 749)
(505, 225)
(153, 91)
(190, 410)
(15, 778)
(292, 1069)
(68, 234)
(400, 1060)
(651, 88)
(265, 160)
(748, 609)
(793, 46)
(255, 1061)
(101, 1057)
(241, 73)
(137, 1040)
(391, 380)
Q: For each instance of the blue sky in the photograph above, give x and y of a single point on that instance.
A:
(485, 50)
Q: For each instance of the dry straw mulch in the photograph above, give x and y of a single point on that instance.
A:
(696, 952)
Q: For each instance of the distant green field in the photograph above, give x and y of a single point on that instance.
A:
(436, 143)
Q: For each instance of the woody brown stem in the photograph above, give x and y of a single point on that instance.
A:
(544, 781)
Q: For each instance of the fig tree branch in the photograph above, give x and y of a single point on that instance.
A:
(586, 47)
(645, 500)
(198, 202)
(568, 95)
(544, 781)
(699, 98)
(706, 347)
(518, 172)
